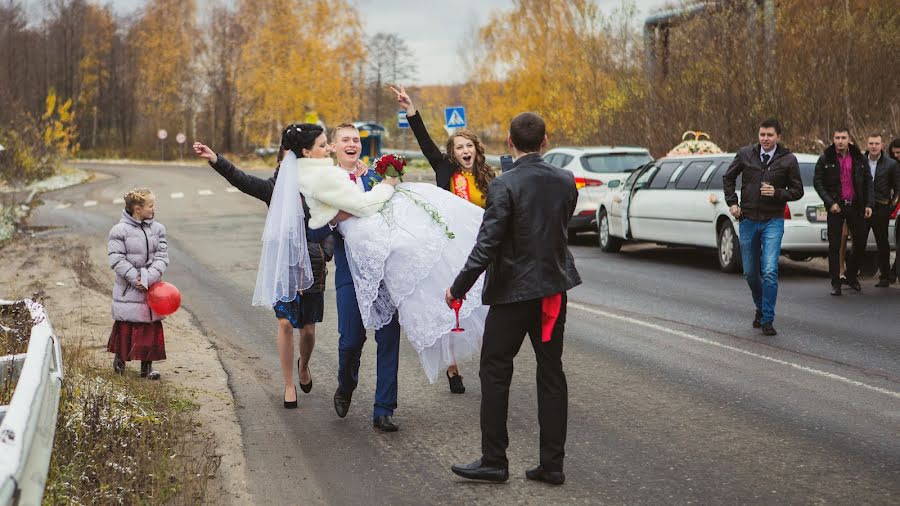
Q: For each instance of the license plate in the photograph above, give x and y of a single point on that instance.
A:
(824, 234)
(821, 215)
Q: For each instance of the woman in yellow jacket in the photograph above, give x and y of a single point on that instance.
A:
(462, 170)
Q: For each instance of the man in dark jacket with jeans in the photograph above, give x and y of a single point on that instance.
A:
(770, 178)
(523, 245)
(844, 183)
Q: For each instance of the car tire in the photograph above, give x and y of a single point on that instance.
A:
(729, 248)
(608, 243)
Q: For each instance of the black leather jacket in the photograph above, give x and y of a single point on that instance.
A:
(523, 240)
(886, 184)
(319, 253)
(783, 172)
(827, 180)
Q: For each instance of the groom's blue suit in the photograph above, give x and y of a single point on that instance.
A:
(353, 334)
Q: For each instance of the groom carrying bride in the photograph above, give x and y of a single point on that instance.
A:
(523, 245)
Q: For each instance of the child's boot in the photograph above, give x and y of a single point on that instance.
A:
(148, 372)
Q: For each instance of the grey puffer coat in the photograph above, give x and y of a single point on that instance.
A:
(138, 252)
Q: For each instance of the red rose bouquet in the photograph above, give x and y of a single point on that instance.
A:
(390, 165)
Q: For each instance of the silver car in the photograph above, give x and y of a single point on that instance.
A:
(594, 168)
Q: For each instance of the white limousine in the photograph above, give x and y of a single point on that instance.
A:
(680, 201)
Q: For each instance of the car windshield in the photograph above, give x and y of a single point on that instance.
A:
(612, 163)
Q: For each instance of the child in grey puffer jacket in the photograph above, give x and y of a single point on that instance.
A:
(139, 255)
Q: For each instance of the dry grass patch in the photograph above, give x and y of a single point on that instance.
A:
(125, 440)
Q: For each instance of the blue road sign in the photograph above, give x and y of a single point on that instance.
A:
(401, 120)
(455, 117)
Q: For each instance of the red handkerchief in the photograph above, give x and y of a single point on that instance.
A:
(550, 307)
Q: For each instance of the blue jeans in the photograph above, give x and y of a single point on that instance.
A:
(760, 249)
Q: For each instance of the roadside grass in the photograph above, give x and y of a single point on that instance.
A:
(119, 439)
(125, 440)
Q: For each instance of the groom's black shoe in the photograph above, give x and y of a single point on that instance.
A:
(385, 424)
(539, 474)
(341, 403)
(478, 471)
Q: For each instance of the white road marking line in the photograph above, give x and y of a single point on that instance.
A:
(90, 203)
(204, 192)
(63, 206)
(177, 195)
(703, 340)
(232, 189)
(119, 200)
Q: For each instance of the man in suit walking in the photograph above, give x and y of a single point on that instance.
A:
(523, 245)
(347, 147)
(886, 187)
(844, 182)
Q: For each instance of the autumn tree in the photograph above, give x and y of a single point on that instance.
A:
(294, 65)
(390, 61)
(162, 44)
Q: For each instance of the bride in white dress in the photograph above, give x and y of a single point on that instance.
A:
(404, 247)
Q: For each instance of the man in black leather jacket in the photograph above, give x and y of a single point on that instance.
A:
(844, 183)
(523, 245)
(770, 178)
(886, 187)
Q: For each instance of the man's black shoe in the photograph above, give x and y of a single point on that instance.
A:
(385, 424)
(552, 477)
(478, 471)
(341, 403)
(882, 283)
(756, 319)
(836, 291)
(892, 276)
(855, 285)
(768, 329)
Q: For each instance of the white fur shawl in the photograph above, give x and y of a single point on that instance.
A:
(328, 189)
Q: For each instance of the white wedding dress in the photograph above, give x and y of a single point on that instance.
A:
(403, 260)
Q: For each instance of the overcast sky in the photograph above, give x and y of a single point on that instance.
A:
(433, 28)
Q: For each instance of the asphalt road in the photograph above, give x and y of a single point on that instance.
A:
(674, 398)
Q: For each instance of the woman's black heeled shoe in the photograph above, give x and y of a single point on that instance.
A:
(456, 383)
(307, 387)
(290, 404)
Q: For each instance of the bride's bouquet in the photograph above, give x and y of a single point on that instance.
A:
(390, 165)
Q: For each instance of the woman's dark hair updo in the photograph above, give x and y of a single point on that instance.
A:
(300, 136)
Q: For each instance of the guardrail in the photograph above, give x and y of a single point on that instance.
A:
(28, 424)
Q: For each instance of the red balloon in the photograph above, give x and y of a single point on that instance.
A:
(163, 298)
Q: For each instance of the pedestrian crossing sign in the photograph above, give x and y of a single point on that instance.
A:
(455, 117)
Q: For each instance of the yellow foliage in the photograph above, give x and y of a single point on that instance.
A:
(299, 59)
(163, 42)
(58, 120)
(544, 56)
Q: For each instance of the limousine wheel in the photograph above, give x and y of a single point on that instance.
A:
(729, 249)
(608, 243)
